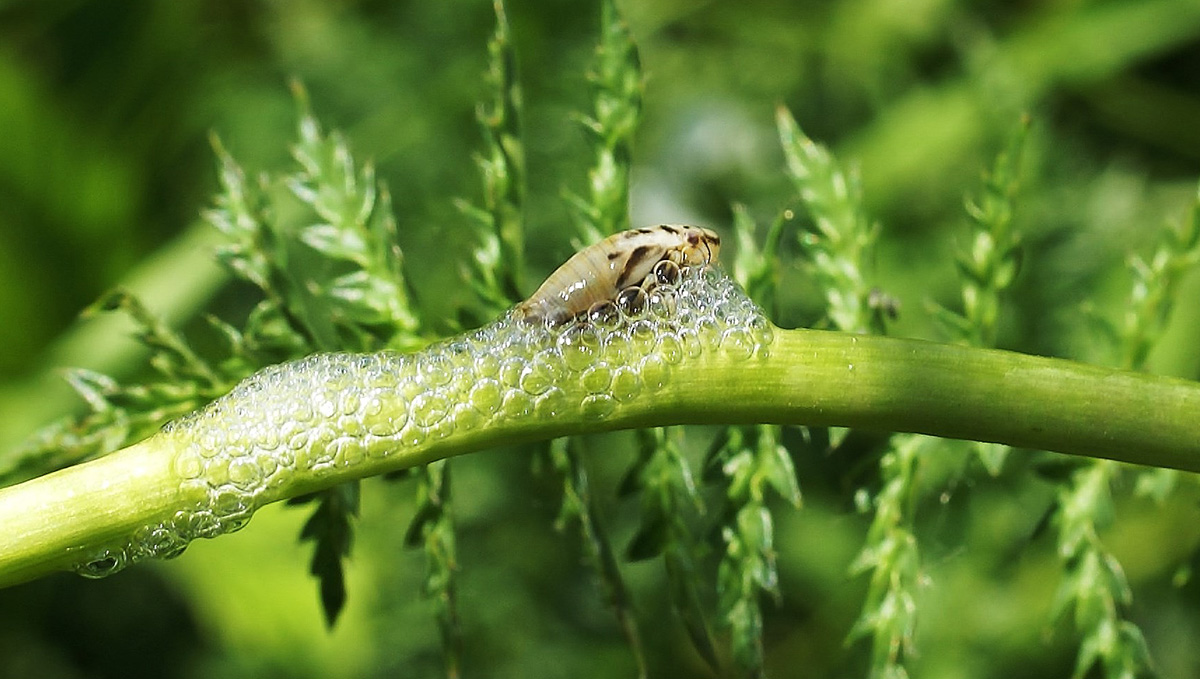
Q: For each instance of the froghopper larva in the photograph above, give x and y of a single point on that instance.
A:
(612, 270)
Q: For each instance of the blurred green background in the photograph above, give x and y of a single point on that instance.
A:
(105, 166)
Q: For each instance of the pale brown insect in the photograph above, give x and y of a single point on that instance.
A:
(601, 273)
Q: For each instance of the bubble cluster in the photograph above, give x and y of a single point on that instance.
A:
(329, 412)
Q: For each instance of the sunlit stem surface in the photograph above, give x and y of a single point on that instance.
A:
(807, 377)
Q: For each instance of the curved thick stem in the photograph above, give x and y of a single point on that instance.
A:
(125, 506)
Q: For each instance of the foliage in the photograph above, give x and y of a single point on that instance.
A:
(102, 157)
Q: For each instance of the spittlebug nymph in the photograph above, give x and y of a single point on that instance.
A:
(599, 273)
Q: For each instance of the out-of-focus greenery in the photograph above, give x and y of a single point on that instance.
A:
(105, 111)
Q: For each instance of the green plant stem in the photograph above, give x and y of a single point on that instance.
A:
(809, 377)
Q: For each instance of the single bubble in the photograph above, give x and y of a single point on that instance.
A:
(517, 403)
(372, 406)
(709, 331)
(655, 371)
(645, 334)
(466, 417)
(598, 406)
(510, 371)
(412, 436)
(435, 369)
(103, 564)
(325, 404)
(351, 426)
(737, 343)
(428, 409)
(551, 404)
(350, 402)
(301, 412)
(632, 302)
(392, 423)
(266, 462)
(348, 451)
(228, 500)
(298, 441)
(625, 384)
(207, 451)
(188, 464)
(538, 376)
(442, 429)
(487, 396)
(670, 348)
(487, 364)
(244, 473)
(458, 352)
(690, 341)
(378, 447)
(596, 378)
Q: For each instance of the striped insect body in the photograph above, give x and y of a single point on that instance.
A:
(618, 271)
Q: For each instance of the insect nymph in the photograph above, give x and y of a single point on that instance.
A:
(599, 273)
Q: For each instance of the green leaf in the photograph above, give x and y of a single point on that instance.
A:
(331, 530)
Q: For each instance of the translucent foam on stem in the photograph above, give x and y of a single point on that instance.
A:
(322, 415)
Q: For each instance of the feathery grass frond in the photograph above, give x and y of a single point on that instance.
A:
(1095, 592)
(432, 529)
(839, 246)
(494, 273)
(617, 84)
